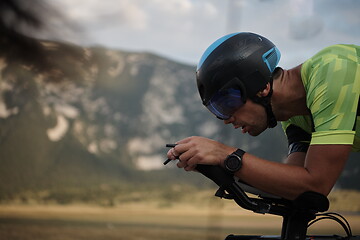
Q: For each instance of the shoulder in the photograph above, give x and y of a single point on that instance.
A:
(345, 52)
(334, 66)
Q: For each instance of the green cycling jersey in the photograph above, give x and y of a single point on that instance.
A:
(331, 80)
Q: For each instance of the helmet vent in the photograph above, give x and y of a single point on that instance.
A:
(271, 58)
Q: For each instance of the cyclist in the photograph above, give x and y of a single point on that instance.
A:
(317, 103)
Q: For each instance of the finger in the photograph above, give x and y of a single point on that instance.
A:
(189, 154)
(181, 164)
(193, 161)
(175, 153)
(185, 140)
(170, 155)
(189, 168)
(191, 164)
(183, 148)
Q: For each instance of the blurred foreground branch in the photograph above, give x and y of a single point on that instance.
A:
(20, 21)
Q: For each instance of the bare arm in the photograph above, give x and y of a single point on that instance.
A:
(317, 170)
(322, 167)
(296, 158)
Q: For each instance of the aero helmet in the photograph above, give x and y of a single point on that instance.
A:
(234, 68)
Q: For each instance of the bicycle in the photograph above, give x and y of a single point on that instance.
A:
(297, 215)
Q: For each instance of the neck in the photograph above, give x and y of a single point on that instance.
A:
(289, 96)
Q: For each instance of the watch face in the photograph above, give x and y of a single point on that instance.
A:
(233, 163)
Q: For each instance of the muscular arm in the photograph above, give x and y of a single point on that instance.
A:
(296, 158)
(322, 166)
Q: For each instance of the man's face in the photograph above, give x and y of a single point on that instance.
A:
(251, 117)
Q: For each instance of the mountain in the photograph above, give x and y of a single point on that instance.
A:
(96, 118)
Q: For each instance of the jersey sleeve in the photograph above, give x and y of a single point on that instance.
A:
(332, 96)
(298, 138)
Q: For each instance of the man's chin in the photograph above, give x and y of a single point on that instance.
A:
(255, 133)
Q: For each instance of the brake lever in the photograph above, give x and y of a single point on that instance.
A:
(169, 145)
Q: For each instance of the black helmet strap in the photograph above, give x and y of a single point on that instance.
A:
(266, 103)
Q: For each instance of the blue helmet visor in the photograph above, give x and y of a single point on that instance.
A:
(225, 102)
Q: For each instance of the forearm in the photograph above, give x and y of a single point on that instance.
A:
(317, 170)
(280, 179)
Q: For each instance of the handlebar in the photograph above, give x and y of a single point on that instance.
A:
(309, 200)
(296, 214)
(226, 182)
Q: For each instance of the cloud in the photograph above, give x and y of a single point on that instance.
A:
(183, 29)
(105, 14)
(176, 7)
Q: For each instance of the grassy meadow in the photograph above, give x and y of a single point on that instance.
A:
(203, 218)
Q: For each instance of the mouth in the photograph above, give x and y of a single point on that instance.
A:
(237, 126)
(245, 129)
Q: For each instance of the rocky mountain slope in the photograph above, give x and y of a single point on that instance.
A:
(100, 117)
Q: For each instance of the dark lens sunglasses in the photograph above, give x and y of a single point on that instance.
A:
(227, 100)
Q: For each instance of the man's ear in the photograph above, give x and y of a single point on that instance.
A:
(265, 91)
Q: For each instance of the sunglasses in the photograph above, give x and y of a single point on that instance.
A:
(225, 103)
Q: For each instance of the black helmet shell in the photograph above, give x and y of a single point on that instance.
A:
(246, 56)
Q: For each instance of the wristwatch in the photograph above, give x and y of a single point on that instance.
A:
(233, 162)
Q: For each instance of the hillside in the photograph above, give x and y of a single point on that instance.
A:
(96, 121)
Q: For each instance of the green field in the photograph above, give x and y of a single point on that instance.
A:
(210, 220)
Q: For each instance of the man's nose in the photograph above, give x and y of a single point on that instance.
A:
(228, 121)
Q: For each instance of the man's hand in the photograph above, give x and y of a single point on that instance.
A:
(199, 150)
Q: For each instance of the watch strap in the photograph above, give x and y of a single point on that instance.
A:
(239, 152)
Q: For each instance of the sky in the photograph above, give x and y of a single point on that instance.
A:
(181, 30)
